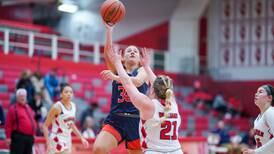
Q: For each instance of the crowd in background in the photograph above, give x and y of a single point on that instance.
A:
(44, 90)
(224, 138)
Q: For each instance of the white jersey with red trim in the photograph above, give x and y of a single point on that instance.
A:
(161, 137)
(61, 128)
(264, 129)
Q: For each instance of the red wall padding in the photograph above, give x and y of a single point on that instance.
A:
(155, 37)
(47, 64)
(22, 13)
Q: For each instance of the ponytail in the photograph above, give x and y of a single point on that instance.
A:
(167, 108)
(163, 88)
(168, 100)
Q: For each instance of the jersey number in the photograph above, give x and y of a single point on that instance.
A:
(167, 127)
(123, 94)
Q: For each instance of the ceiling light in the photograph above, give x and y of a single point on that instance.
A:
(68, 7)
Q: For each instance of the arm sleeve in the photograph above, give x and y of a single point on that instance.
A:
(269, 146)
(9, 123)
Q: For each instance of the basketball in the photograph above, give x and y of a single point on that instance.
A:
(112, 11)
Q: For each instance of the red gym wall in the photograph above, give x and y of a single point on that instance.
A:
(155, 37)
(22, 13)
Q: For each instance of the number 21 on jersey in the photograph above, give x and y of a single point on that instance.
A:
(168, 130)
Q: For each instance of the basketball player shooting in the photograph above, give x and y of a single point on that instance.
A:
(160, 118)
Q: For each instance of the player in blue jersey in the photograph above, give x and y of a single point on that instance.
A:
(122, 123)
(158, 112)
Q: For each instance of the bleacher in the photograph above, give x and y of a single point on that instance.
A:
(82, 73)
(88, 87)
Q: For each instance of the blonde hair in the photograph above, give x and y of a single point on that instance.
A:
(163, 88)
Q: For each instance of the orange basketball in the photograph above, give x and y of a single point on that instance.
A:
(112, 11)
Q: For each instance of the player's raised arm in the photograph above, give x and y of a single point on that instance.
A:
(145, 62)
(108, 47)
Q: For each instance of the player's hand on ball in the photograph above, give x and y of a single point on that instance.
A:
(108, 27)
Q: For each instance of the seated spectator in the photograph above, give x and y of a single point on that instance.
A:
(38, 106)
(222, 132)
(98, 117)
(235, 146)
(204, 98)
(38, 83)
(235, 106)
(52, 83)
(219, 103)
(200, 97)
(88, 112)
(64, 80)
(25, 83)
(248, 139)
(88, 128)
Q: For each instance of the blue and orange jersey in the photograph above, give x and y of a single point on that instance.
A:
(120, 101)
